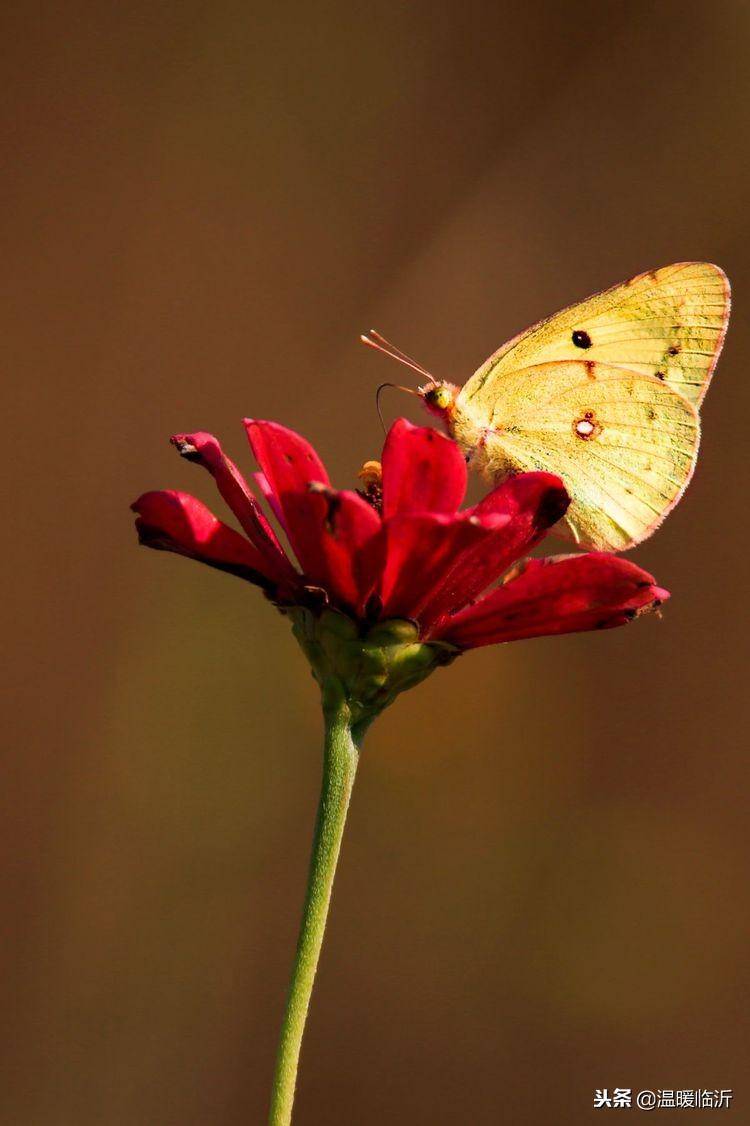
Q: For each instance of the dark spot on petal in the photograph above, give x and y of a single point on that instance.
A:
(334, 504)
(581, 339)
(552, 507)
(289, 458)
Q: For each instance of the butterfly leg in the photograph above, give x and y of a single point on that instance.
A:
(575, 535)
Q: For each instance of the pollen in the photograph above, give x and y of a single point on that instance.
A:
(371, 476)
(371, 473)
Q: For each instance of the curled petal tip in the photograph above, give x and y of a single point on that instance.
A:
(185, 446)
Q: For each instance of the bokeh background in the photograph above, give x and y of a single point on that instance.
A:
(544, 887)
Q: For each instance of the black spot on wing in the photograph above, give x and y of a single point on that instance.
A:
(581, 338)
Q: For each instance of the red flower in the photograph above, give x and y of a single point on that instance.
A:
(387, 584)
(414, 556)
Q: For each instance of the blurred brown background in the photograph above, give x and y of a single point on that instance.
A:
(544, 888)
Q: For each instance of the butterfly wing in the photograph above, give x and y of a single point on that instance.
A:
(624, 443)
(668, 323)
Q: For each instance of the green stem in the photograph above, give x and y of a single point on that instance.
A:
(339, 768)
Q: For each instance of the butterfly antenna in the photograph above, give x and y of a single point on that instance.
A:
(395, 351)
(374, 340)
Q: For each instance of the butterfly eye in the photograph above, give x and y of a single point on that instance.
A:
(439, 397)
(581, 339)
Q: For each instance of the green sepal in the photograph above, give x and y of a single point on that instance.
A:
(365, 666)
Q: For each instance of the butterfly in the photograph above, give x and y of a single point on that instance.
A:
(605, 394)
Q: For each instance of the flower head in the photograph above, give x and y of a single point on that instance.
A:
(390, 580)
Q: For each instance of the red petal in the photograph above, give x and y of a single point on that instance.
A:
(206, 451)
(341, 526)
(423, 471)
(172, 521)
(269, 496)
(530, 504)
(291, 466)
(417, 551)
(557, 595)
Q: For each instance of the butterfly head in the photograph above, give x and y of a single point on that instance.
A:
(439, 396)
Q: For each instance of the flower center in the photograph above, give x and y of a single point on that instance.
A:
(371, 476)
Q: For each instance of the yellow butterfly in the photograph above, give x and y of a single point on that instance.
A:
(604, 394)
